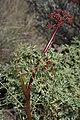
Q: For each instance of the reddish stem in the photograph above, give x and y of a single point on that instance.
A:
(26, 91)
(60, 17)
(50, 41)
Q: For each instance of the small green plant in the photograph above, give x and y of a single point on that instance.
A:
(55, 91)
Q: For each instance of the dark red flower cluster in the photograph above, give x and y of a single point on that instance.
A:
(61, 16)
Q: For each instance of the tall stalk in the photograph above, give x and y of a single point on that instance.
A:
(60, 18)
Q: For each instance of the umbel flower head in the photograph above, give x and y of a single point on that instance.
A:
(60, 16)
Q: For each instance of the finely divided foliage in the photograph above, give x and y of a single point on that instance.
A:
(55, 91)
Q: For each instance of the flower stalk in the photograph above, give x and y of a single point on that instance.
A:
(50, 41)
(59, 17)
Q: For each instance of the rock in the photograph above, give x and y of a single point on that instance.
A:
(43, 7)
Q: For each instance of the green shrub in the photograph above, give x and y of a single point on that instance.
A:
(55, 92)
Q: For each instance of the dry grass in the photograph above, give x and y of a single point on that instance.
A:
(16, 26)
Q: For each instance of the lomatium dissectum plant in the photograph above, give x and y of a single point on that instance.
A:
(60, 17)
